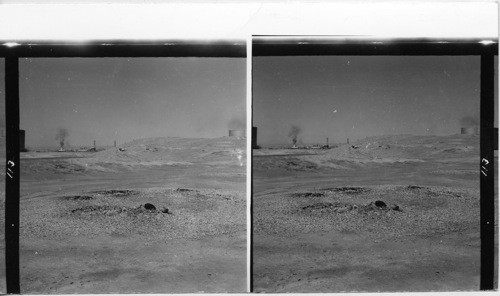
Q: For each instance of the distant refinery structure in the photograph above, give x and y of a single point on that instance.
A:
(254, 137)
(472, 130)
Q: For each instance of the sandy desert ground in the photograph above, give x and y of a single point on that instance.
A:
(397, 213)
(86, 228)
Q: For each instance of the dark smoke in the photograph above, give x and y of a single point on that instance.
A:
(61, 136)
(294, 133)
(236, 124)
(469, 121)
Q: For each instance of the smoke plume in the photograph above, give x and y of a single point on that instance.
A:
(294, 133)
(469, 121)
(61, 136)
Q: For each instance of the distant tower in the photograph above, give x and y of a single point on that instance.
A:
(471, 130)
(254, 137)
(347, 140)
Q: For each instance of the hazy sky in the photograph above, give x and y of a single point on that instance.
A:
(122, 99)
(340, 97)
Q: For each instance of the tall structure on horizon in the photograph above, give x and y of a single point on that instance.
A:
(471, 130)
(254, 137)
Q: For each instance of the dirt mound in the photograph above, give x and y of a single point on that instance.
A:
(108, 210)
(176, 214)
(342, 207)
(424, 209)
(415, 187)
(183, 190)
(100, 193)
(167, 151)
(308, 194)
(348, 190)
(378, 206)
(77, 197)
(336, 207)
(433, 192)
(116, 193)
(382, 150)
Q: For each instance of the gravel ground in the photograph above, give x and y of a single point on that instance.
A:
(391, 213)
(192, 214)
(157, 215)
(420, 211)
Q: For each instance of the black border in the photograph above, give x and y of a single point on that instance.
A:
(300, 46)
(13, 51)
(485, 49)
(228, 49)
(12, 176)
(487, 171)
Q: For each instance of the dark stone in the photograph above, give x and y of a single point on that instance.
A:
(150, 207)
(395, 208)
(414, 187)
(165, 210)
(183, 190)
(380, 204)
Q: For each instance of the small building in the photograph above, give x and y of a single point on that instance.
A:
(471, 130)
(254, 138)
